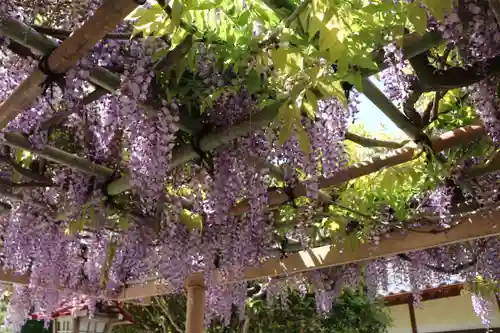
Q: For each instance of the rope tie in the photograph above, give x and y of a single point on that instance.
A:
(52, 77)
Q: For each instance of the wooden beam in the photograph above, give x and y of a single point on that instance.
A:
(105, 19)
(445, 141)
(451, 290)
(469, 228)
(195, 311)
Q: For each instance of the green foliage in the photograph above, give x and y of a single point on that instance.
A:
(484, 287)
(290, 60)
(393, 186)
(353, 312)
(299, 40)
(453, 112)
(35, 326)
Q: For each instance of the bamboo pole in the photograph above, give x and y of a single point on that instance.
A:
(41, 45)
(195, 312)
(99, 76)
(17, 140)
(368, 88)
(375, 143)
(184, 153)
(105, 19)
(413, 45)
(468, 228)
(445, 141)
(390, 110)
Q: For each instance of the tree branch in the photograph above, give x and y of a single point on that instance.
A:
(246, 325)
(369, 142)
(495, 8)
(490, 166)
(41, 45)
(63, 34)
(175, 55)
(19, 198)
(42, 180)
(10, 184)
(385, 105)
(432, 78)
(166, 311)
(409, 107)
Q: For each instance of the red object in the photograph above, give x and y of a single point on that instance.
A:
(67, 310)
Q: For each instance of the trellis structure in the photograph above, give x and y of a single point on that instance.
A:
(469, 226)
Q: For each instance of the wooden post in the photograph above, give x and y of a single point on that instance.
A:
(195, 317)
(413, 319)
(76, 325)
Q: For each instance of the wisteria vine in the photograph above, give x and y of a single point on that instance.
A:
(74, 239)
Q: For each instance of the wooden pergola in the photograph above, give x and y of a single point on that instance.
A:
(469, 226)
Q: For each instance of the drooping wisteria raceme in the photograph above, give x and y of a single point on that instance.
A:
(73, 238)
(327, 155)
(474, 30)
(397, 82)
(483, 308)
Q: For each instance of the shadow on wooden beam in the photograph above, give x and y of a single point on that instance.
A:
(470, 227)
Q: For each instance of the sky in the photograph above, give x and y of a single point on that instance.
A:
(372, 118)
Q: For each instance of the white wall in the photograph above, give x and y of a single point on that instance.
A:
(440, 315)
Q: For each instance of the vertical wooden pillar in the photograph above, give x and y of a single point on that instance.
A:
(413, 319)
(195, 317)
(75, 328)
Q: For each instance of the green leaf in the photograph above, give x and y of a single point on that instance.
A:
(74, 226)
(295, 61)
(336, 52)
(304, 143)
(278, 57)
(439, 8)
(286, 114)
(191, 220)
(328, 38)
(311, 104)
(176, 12)
(244, 18)
(355, 79)
(208, 5)
(417, 17)
(137, 13)
(385, 6)
(314, 25)
(146, 17)
(332, 89)
(304, 19)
